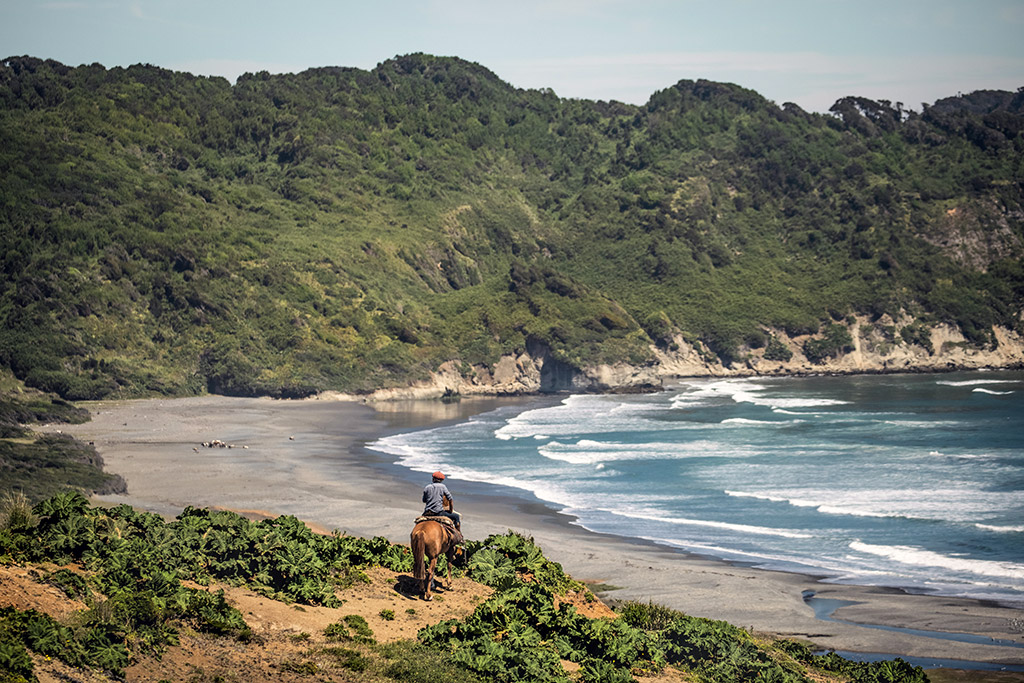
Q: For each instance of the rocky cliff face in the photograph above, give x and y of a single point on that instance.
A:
(875, 348)
(532, 372)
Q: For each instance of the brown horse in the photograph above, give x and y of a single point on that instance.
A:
(430, 540)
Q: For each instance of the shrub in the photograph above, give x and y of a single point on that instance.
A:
(16, 512)
(837, 340)
(502, 559)
(359, 626)
(777, 351)
(351, 627)
(15, 663)
(73, 585)
(337, 631)
(348, 659)
(647, 615)
(920, 335)
(411, 662)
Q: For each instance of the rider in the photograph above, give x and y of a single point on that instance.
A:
(438, 502)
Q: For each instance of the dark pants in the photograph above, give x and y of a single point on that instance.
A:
(454, 516)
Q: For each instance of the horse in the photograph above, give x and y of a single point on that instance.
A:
(430, 540)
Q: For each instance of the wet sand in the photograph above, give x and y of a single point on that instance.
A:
(307, 458)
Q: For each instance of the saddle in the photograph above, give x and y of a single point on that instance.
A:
(447, 524)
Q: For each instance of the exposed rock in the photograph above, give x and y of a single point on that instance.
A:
(877, 347)
(873, 351)
(532, 372)
(973, 241)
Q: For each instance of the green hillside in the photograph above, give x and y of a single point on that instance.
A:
(349, 229)
(141, 581)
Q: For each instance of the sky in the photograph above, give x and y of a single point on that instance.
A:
(810, 52)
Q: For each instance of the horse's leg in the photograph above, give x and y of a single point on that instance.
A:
(430, 577)
(418, 552)
(450, 556)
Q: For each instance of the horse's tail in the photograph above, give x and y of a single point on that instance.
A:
(419, 547)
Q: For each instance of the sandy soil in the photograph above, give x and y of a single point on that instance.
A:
(305, 458)
(284, 636)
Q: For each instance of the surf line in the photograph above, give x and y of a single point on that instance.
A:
(824, 609)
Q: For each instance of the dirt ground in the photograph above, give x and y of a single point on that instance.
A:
(283, 635)
(288, 641)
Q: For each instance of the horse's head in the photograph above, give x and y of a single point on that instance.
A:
(459, 556)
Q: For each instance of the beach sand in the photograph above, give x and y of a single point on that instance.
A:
(307, 459)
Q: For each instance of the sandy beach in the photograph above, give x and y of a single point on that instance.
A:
(307, 458)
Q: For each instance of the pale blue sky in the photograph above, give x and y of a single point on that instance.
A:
(803, 51)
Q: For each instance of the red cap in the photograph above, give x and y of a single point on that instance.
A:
(439, 475)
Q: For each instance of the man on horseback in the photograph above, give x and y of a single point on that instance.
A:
(438, 501)
(432, 537)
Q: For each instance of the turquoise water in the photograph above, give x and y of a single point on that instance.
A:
(911, 481)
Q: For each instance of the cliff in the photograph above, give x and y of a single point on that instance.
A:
(873, 351)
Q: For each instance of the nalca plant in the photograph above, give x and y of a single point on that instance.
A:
(90, 646)
(887, 671)
(518, 635)
(502, 560)
(719, 652)
(72, 584)
(715, 650)
(281, 558)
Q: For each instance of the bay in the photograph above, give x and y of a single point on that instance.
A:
(908, 481)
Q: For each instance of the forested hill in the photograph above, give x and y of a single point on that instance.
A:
(349, 229)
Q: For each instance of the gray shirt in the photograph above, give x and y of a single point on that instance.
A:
(434, 495)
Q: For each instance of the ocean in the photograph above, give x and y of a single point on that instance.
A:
(907, 481)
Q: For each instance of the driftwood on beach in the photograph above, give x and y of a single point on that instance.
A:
(217, 443)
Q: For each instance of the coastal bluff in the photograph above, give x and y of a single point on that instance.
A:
(873, 349)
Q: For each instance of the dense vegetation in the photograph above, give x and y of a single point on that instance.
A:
(350, 229)
(41, 465)
(129, 568)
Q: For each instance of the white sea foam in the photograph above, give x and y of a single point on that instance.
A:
(955, 505)
(979, 390)
(688, 402)
(760, 496)
(918, 557)
(399, 444)
(783, 411)
(747, 421)
(1001, 528)
(778, 402)
(974, 382)
(592, 414)
(541, 486)
(642, 407)
(656, 516)
(762, 558)
(417, 452)
(579, 454)
(922, 424)
(746, 391)
(588, 451)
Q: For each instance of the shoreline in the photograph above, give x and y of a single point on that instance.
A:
(440, 387)
(309, 459)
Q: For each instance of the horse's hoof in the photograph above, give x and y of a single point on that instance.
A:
(429, 598)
